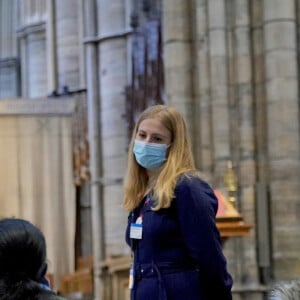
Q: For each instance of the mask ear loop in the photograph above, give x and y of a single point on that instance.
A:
(168, 150)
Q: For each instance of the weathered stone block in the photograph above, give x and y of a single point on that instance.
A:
(216, 13)
(278, 9)
(280, 35)
(282, 89)
(281, 64)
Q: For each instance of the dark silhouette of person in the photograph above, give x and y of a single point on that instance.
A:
(23, 263)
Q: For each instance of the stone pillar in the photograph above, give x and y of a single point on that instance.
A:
(67, 43)
(224, 105)
(242, 134)
(218, 73)
(282, 94)
(177, 58)
(203, 118)
(263, 220)
(113, 67)
(94, 137)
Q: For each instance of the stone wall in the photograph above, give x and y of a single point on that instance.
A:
(245, 109)
(231, 68)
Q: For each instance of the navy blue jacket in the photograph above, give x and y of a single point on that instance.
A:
(180, 254)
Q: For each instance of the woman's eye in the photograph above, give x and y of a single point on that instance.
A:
(157, 139)
(141, 135)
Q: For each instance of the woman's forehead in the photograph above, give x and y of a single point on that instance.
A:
(153, 125)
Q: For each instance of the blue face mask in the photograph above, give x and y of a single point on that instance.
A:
(149, 155)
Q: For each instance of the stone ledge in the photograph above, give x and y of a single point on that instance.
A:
(63, 106)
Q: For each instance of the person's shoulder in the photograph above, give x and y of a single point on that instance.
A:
(192, 188)
(188, 180)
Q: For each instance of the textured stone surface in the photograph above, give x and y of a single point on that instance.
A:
(231, 70)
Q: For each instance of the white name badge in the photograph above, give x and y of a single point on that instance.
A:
(136, 231)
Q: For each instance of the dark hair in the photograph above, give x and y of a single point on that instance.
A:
(22, 260)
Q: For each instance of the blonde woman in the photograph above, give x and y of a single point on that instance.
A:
(176, 246)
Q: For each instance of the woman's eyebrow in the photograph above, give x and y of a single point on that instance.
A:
(158, 135)
(153, 134)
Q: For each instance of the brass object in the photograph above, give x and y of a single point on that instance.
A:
(230, 180)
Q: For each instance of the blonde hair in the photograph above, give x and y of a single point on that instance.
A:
(179, 161)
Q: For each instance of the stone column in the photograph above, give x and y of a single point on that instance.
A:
(224, 100)
(94, 137)
(242, 134)
(219, 88)
(282, 94)
(263, 219)
(203, 118)
(67, 43)
(177, 58)
(113, 32)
